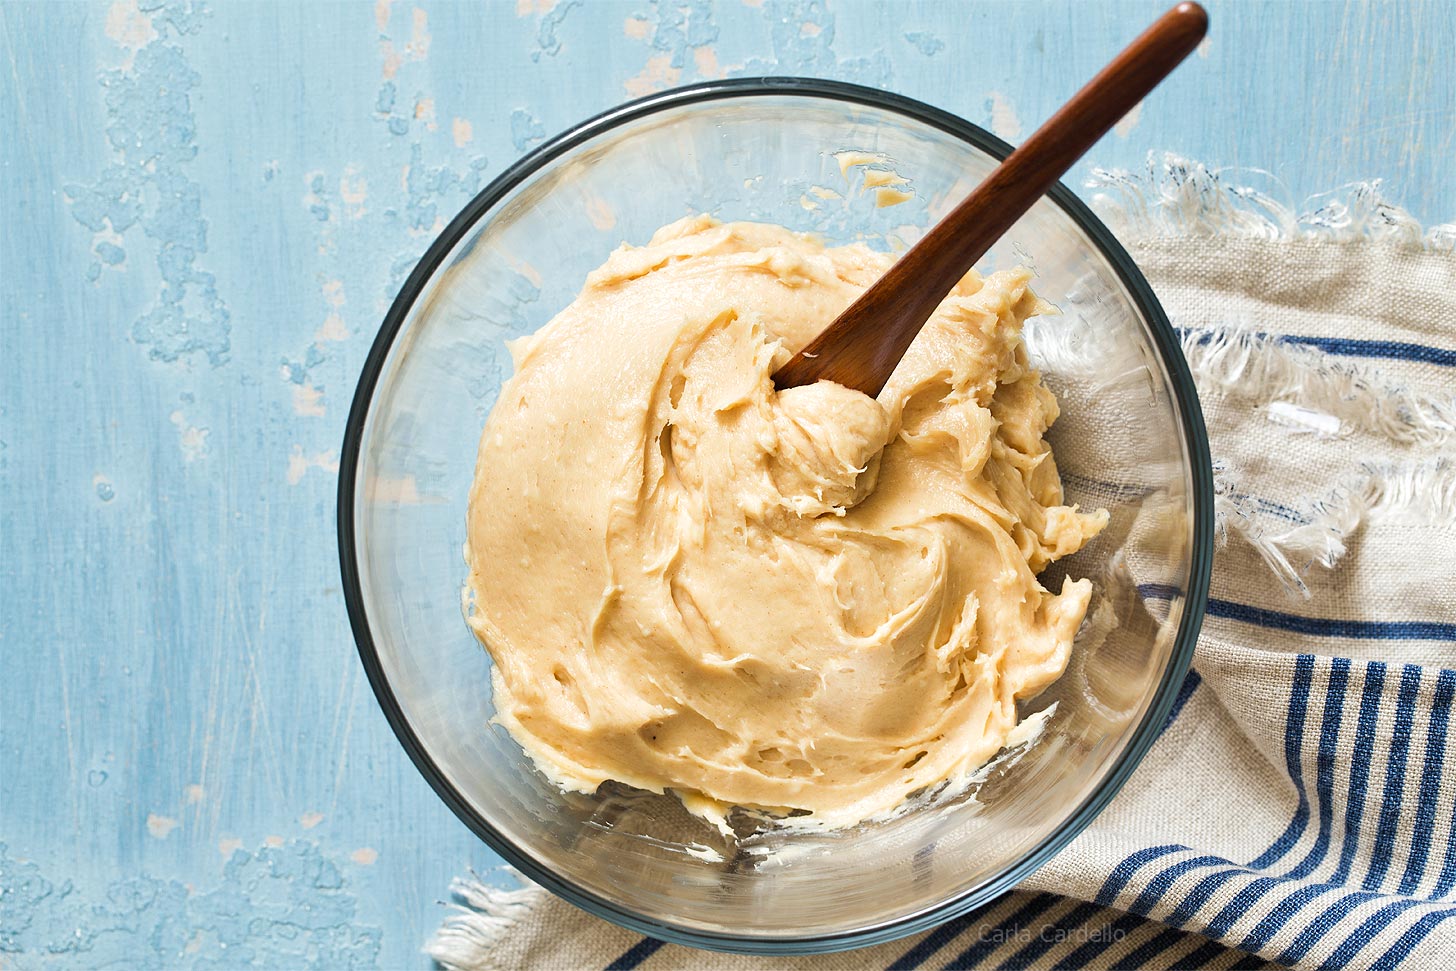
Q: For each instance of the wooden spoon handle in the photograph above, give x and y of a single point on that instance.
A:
(863, 345)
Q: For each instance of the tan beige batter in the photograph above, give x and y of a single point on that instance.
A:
(691, 581)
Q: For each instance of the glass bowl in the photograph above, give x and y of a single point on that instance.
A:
(1130, 439)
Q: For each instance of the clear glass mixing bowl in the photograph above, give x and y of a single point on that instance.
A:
(1130, 439)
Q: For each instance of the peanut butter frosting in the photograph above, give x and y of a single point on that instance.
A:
(806, 599)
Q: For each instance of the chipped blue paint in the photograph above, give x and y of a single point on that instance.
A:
(680, 28)
(925, 42)
(384, 104)
(208, 210)
(278, 907)
(547, 41)
(525, 130)
(802, 36)
(152, 134)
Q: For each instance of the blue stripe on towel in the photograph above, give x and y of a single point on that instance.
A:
(1185, 691)
(987, 942)
(1265, 930)
(1385, 630)
(1123, 872)
(931, 943)
(1355, 942)
(1224, 920)
(1158, 591)
(1293, 761)
(1204, 955)
(1359, 774)
(1324, 785)
(1153, 891)
(1044, 942)
(1360, 767)
(1379, 630)
(942, 936)
(1139, 956)
(1446, 882)
(1395, 350)
(1350, 347)
(1425, 824)
(1199, 895)
(636, 954)
(1113, 933)
(1416, 933)
(1395, 777)
(1193, 901)
(1317, 928)
(1354, 812)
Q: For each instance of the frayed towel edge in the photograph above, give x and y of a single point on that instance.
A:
(1421, 492)
(482, 916)
(1176, 197)
(1314, 388)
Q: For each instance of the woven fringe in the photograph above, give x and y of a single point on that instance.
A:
(481, 918)
(1289, 547)
(1311, 392)
(1174, 196)
(1420, 492)
(1239, 360)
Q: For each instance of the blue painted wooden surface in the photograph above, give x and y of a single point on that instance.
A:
(207, 209)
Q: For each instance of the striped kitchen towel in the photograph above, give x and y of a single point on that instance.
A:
(1298, 809)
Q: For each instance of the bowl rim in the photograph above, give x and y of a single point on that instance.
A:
(1194, 435)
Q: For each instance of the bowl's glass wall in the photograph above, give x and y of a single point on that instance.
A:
(765, 158)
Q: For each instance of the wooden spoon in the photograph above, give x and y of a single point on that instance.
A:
(864, 344)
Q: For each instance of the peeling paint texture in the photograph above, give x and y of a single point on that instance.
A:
(925, 42)
(548, 44)
(525, 129)
(152, 134)
(797, 50)
(280, 907)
